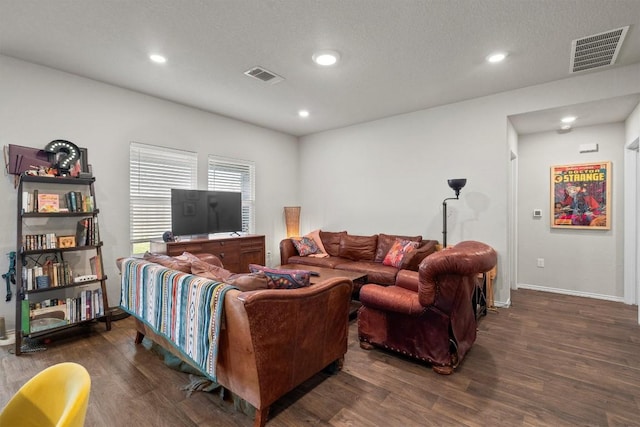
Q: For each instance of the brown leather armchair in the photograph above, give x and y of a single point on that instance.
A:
(428, 314)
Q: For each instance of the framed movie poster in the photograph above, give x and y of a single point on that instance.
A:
(581, 196)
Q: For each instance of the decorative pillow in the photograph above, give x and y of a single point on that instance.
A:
(358, 248)
(385, 241)
(398, 251)
(168, 261)
(305, 246)
(248, 281)
(283, 278)
(210, 271)
(322, 252)
(331, 241)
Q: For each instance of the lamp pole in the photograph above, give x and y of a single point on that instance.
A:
(444, 219)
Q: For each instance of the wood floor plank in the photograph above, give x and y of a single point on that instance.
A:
(549, 360)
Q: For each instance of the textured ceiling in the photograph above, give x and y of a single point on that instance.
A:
(397, 55)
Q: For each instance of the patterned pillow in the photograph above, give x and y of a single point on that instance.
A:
(283, 278)
(305, 246)
(398, 251)
(315, 236)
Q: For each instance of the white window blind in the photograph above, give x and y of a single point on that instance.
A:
(153, 172)
(235, 175)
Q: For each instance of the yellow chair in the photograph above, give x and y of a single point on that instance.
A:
(57, 396)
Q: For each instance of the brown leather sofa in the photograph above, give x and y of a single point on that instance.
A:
(275, 339)
(428, 315)
(360, 253)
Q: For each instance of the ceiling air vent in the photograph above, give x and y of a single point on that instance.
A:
(264, 75)
(599, 50)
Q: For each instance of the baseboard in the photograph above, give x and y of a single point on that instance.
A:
(570, 292)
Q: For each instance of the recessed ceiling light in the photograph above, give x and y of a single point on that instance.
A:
(568, 119)
(326, 58)
(496, 57)
(303, 113)
(565, 127)
(158, 59)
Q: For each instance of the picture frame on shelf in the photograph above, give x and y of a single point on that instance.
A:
(85, 167)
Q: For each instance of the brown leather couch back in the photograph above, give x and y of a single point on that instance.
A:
(358, 248)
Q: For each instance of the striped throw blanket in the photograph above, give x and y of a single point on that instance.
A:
(185, 309)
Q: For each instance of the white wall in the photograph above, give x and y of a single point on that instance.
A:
(581, 262)
(38, 105)
(390, 175)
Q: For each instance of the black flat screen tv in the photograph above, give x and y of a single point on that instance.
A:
(200, 212)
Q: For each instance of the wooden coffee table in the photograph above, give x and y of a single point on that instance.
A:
(329, 273)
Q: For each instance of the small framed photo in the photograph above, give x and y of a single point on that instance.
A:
(84, 160)
(66, 242)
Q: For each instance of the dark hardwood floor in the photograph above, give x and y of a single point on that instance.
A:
(549, 360)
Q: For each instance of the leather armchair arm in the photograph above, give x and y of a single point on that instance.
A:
(408, 279)
(443, 272)
(391, 299)
(287, 250)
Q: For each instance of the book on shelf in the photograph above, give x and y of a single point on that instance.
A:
(82, 231)
(96, 266)
(48, 202)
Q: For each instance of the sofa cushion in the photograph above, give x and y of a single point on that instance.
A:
(331, 241)
(412, 260)
(385, 241)
(305, 245)
(358, 248)
(168, 261)
(210, 258)
(400, 249)
(283, 278)
(375, 271)
(248, 281)
(210, 271)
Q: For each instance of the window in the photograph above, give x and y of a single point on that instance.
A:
(153, 172)
(235, 175)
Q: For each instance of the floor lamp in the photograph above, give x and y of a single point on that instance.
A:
(456, 185)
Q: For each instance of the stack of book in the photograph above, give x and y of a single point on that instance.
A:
(87, 232)
(72, 201)
(59, 274)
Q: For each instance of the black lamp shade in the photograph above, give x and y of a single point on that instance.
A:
(457, 184)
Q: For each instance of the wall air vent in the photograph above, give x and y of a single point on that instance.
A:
(598, 50)
(264, 75)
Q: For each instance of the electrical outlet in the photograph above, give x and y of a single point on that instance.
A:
(541, 262)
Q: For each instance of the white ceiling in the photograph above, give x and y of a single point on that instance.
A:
(397, 55)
